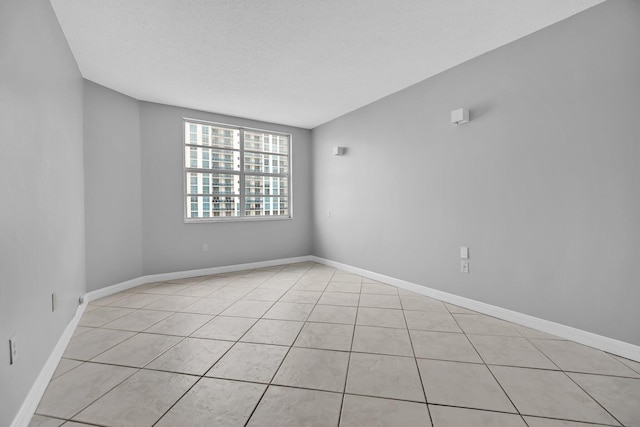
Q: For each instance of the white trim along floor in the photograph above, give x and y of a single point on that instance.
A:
(308, 341)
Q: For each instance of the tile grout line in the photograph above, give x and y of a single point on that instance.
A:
(415, 359)
(346, 374)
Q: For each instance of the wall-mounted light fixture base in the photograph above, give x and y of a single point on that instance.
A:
(460, 116)
(338, 151)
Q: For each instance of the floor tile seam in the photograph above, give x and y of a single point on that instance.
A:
(488, 369)
(104, 351)
(572, 421)
(415, 359)
(593, 398)
(346, 374)
(143, 330)
(279, 365)
(615, 356)
(177, 400)
(136, 370)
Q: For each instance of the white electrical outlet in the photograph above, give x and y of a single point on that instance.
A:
(205, 247)
(464, 252)
(464, 266)
(54, 302)
(13, 350)
(329, 213)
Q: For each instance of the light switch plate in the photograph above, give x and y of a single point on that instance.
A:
(464, 267)
(464, 252)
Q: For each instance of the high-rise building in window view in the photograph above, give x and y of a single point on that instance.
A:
(235, 172)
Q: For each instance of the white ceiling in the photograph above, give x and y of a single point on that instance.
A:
(295, 62)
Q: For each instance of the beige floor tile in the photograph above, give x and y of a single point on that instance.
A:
(339, 298)
(510, 351)
(548, 422)
(249, 362)
(378, 288)
(310, 285)
(268, 331)
(191, 356)
(457, 309)
(40, 421)
(532, 333)
(333, 314)
(346, 277)
(139, 401)
(75, 424)
(285, 406)
(431, 321)
(73, 391)
(444, 416)
(246, 308)
(372, 339)
(312, 368)
(384, 376)
(380, 301)
(383, 317)
(629, 363)
(197, 291)
(278, 283)
(272, 295)
(462, 384)
(619, 396)
(303, 297)
(327, 336)
(172, 303)
(422, 303)
(137, 300)
(348, 287)
(108, 300)
(211, 306)
(180, 324)
(138, 350)
(359, 411)
(549, 394)
(571, 356)
(225, 328)
(485, 325)
(91, 343)
(102, 315)
(81, 330)
(163, 288)
(137, 321)
(64, 366)
(443, 346)
(214, 402)
(232, 292)
(289, 311)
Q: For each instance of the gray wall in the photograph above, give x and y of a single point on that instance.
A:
(542, 185)
(112, 186)
(41, 192)
(171, 245)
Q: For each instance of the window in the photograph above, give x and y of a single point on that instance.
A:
(235, 173)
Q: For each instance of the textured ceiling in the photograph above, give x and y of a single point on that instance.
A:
(295, 62)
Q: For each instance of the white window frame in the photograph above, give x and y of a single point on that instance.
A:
(186, 170)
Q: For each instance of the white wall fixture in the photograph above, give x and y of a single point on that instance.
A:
(460, 116)
(338, 151)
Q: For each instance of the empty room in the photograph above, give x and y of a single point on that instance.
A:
(226, 213)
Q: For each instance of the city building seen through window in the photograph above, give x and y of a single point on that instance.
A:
(233, 172)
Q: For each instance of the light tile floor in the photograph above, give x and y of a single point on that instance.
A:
(306, 345)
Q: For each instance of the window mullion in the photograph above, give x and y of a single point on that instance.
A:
(242, 178)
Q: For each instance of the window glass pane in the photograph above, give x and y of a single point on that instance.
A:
(264, 141)
(216, 136)
(213, 183)
(266, 163)
(266, 185)
(212, 158)
(266, 206)
(207, 207)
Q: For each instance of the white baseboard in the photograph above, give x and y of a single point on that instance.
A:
(30, 403)
(610, 345)
(109, 290)
(600, 342)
